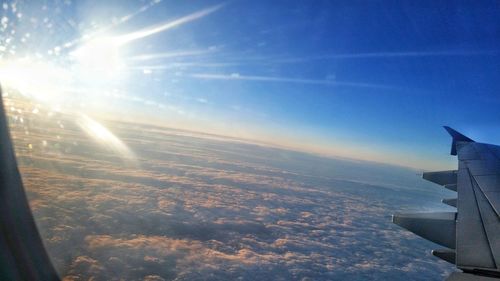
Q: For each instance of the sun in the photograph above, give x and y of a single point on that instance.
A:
(54, 79)
(35, 77)
(98, 59)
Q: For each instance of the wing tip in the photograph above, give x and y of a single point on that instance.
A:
(457, 136)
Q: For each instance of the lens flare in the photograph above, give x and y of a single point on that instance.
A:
(83, 70)
(104, 136)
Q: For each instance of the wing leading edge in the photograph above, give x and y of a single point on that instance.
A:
(471, 235)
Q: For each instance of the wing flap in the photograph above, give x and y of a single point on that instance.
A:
(442, 177)
(450, 202)
(445, 254)
(436, 227)
(459, 276)
(452, 187)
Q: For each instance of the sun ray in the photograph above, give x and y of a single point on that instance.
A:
(124, 39)
(101, 31)
(165, 55)
(81, 71)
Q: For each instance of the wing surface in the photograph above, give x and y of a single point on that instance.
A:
(471, 235)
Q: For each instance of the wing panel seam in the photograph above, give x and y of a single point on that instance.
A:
(472, 180)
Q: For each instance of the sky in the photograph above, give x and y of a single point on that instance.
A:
(370, 80)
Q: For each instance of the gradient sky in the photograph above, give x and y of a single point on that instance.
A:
(371, 80)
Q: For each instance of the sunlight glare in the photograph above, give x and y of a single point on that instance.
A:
(34, 78)
(98, 59)
(103, 136)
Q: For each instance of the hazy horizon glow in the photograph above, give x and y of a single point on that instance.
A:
(348, 80)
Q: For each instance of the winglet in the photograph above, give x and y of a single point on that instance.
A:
(457, 137)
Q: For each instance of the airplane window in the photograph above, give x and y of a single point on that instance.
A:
(241, 140)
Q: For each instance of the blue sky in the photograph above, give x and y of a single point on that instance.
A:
(373, 80)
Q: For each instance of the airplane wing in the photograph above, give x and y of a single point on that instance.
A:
(22, 254)
(471, 235)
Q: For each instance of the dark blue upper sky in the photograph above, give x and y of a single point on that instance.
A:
(364, 79)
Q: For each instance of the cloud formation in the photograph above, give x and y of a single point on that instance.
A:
(198, 208)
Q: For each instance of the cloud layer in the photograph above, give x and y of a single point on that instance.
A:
(191, 207)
